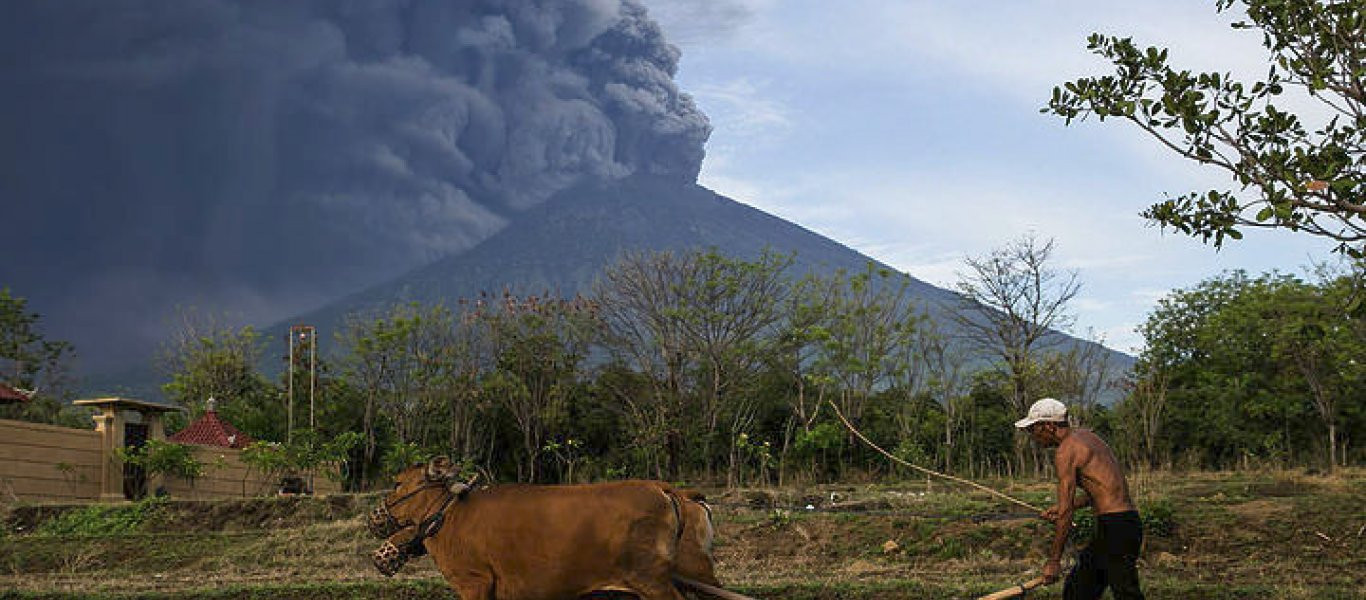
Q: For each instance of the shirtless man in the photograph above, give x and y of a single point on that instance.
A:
(1083, 458)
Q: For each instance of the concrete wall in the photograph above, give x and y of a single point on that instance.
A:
(225, 476)
(48, 463)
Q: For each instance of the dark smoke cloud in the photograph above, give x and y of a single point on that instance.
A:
(263, 156)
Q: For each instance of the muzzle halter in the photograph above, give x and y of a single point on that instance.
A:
(382, 523)
(391, 557)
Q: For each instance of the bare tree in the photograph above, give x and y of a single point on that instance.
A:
(1148, 397)
(636, 296)
(367, 361)
(1084, 374)
(539, 343)
(1012, 303)
(470, 359)
(947, 378)
(699, 326)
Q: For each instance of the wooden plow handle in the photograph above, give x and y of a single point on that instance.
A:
(1015, 591)
(709, 590)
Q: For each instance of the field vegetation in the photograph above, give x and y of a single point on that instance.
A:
(1266, 534)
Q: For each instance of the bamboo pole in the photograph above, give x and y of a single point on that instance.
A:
(1014, 591)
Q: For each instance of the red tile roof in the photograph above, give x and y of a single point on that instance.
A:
(9, 394)
(209, 430)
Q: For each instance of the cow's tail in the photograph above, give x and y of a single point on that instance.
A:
(710, 590)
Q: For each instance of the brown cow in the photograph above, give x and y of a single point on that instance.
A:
(528, 542)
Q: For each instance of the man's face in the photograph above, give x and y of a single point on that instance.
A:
(1043, 434)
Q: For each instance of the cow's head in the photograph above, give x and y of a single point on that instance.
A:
(413, 511)
(418, 493)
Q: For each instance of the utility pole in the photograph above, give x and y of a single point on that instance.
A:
(301, 335)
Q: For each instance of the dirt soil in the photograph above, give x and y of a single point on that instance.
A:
(1274, 535)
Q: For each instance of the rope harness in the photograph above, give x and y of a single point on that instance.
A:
(1012, 592)
(391, 557)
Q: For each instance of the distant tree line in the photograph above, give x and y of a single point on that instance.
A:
(1242, 369)
(700, 366)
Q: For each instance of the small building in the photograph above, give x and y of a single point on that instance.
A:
(211, 430)
(9, 395)
(125, 423)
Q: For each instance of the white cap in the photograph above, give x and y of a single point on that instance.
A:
(1047, 409)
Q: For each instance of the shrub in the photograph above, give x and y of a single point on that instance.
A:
(164, 458)
(105, 519)
(1158, 518)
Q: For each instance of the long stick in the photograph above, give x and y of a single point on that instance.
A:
(889, 455)
(1015, 591)
(710, 590)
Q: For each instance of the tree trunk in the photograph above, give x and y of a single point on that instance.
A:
(1332, 446)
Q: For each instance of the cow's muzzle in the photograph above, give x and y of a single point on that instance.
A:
(381, 523)
(391, 557)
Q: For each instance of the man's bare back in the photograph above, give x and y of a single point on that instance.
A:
(1096, 469)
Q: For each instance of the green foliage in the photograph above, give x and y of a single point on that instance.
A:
(824, 437)
(267, 458)
(105, 519)
(308, 452)
(1293, 173)
(31, 362)
(209, 360)
(163, 458)
(402, 455)
(1159, 517)
(1250, 368)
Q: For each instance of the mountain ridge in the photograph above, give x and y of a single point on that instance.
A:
(635, 214)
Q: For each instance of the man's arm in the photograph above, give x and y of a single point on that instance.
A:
(1065, 461)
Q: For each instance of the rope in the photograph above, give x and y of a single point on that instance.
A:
(903, 463)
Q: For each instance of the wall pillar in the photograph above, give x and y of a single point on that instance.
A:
(109, 424)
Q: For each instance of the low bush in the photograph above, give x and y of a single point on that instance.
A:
(105, 519)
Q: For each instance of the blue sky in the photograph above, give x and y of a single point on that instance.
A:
(911, 131)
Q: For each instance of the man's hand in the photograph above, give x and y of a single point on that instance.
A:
(1051, 570)
(1051, 514)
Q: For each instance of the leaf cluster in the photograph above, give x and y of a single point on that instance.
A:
(1289, 174)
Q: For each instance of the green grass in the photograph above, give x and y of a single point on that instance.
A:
(105, 519)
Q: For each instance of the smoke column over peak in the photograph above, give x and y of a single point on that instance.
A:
(262, 156)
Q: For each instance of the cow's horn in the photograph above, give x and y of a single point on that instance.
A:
(458, 487)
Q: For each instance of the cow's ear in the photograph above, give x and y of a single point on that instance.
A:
(439, 469)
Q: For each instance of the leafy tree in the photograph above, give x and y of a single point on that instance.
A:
(207, 359)
(1291, 173)
(305, 454)
(1252, 367)
(32, 363)
(1309, 332)
(400, 363)
(867, 339)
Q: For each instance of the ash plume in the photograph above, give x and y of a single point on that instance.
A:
(260, 157)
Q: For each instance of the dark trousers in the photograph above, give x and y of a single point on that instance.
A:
(1109, 560)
